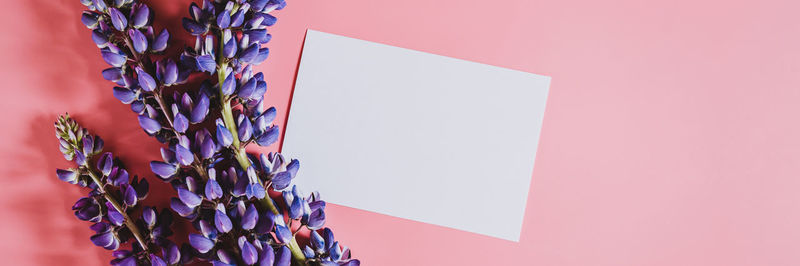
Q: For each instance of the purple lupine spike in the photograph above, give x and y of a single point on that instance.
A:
(200, 110)
(188, 198)
(145, 80)
(117, 19)
(160, 42)
(269, 137)
(151, 126)
(206, 63)
(162, 169)
(140, 15)
(114, 59)
(222, 222)
(201, 243)
(139, 40)
(283, 257)
(249, 252)
(105, 163)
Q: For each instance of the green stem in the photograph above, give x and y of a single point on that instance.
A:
(239, 151)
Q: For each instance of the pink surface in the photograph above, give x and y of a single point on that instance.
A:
(671, 134)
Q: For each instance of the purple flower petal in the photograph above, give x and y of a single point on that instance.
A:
(105, 163)
(129, 195)
(250, 217)
(178, 206)
(118, 19)
(140, 15)
(106, 240)
(249, 252)
(183, 155)
(112, 74)
(237, 18)
(145, 80)
(230, 48)
(160, 43)
(151, 126)
(266, 257)
(89, 19)
(224, 136)
(68, 176)
(317, 219)
(224, 19)
(171, 253)
(269, 137)
(114, 59)
(245, 128)
(149, 216)
(162, 169)
(139, 40)
(180, 122)
(262, 55)
(200, 110)
(281, 180)
(113, 215)
(156, 261)
(222, 222)
(250, 53)
(170, 73)
(124, 95)
(247, 90)
(206, 63)
(201, 243)
(229, 85)
(188, 198)
(193, 27)
(213, 190)
(283, 233)
(284, 257)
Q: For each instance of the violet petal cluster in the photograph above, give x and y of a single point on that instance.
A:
(221, 189)
(112, 201)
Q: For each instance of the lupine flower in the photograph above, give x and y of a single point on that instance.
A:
(112, 198)
(220, 188)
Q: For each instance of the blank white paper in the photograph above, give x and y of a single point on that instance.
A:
(415, 135)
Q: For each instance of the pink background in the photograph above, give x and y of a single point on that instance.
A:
(671, 134)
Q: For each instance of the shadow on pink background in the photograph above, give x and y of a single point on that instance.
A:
(671, 135)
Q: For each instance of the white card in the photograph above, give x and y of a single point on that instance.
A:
(415, 135)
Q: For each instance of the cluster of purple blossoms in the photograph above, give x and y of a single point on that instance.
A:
(113, 198)
(221, 189)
